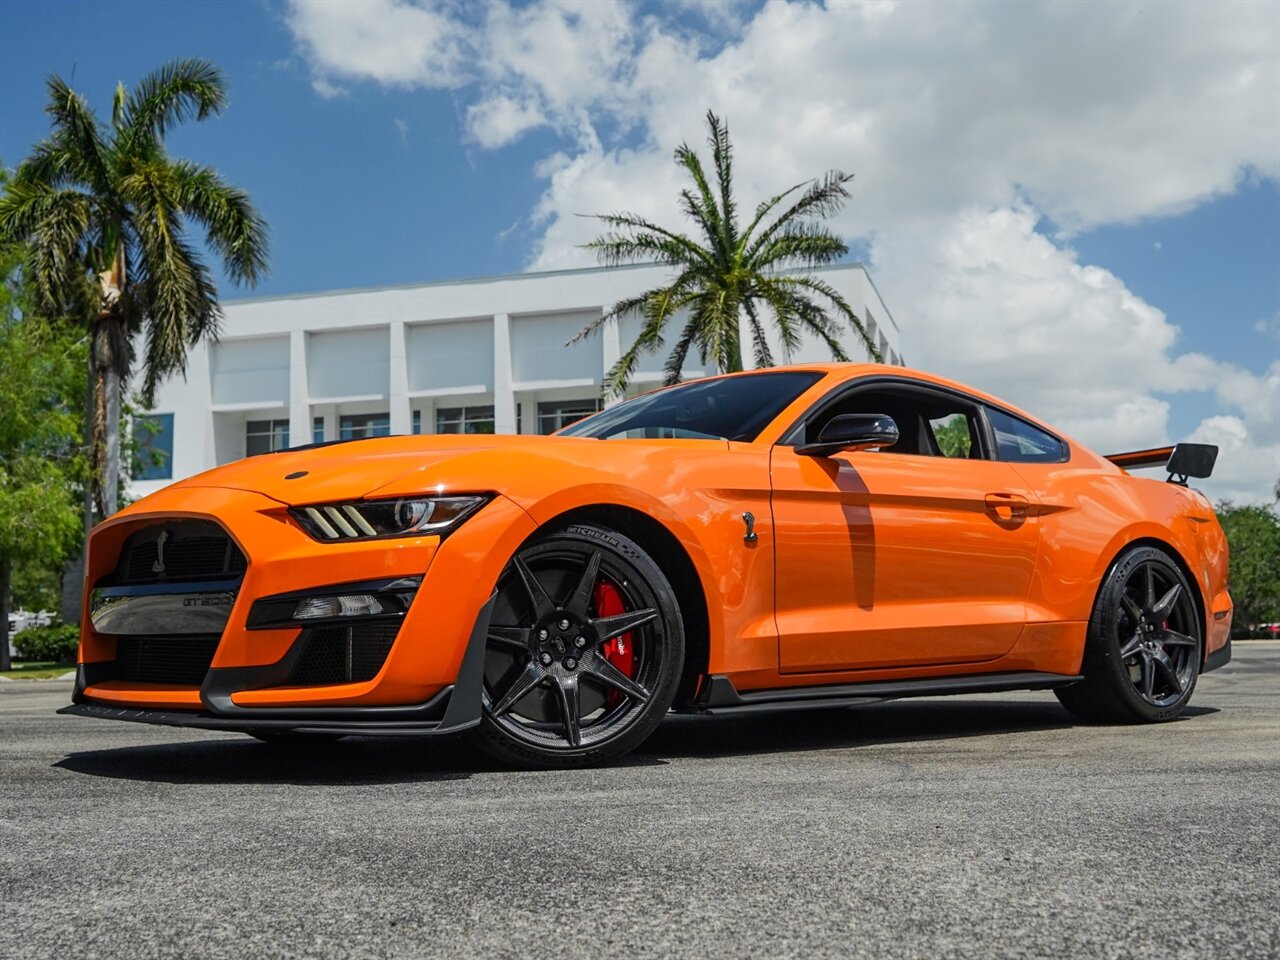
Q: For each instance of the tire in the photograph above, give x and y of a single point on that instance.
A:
(1143, 650)
(567, 685)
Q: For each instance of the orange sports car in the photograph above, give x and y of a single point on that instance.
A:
(807, 536)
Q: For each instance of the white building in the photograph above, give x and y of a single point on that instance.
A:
(476, 356)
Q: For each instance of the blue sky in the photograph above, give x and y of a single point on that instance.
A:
(1087, 197)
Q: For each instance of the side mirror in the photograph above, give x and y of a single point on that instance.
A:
(852, 431)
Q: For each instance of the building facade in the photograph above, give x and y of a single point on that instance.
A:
(472, 356)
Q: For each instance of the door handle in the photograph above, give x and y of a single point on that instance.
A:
(1007, 506)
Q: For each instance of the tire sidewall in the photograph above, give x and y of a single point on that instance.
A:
(670, 651)
(1106, 643)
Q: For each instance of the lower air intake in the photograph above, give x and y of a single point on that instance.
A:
(343, 654)
(180, 661)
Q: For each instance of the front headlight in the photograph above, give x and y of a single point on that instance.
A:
(402, 517)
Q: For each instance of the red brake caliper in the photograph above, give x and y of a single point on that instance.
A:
(620, 651)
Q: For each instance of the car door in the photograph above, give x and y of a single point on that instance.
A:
(905, 556)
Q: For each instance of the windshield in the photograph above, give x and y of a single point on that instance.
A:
(728, 408)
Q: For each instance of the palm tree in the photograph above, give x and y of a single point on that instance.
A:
(727, 272)
(103, 211)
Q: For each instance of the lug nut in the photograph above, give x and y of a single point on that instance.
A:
(570, 663)
(542, 634)
(546, 659)
(579, 642)
(564, 624)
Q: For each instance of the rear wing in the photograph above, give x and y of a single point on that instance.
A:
(1182, 460)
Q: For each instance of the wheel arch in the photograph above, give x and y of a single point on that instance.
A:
(673, 559)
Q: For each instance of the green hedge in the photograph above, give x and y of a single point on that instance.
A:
(48, 643)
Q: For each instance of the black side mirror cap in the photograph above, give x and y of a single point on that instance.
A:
(852, 431)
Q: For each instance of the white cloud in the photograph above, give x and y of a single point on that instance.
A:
(964, 124)
(501, 119)
(395, 42)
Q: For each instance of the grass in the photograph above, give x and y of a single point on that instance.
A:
(37, 670)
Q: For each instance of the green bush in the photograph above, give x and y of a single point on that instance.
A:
(48, 643)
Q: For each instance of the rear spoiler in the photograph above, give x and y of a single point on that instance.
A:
(1182, 460)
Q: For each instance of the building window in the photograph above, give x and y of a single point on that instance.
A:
(263, 436)
(153, 447)
(317, 430)
(358, 426)
(884, 347)
(560, 413)
(464, 420)
(416, 426)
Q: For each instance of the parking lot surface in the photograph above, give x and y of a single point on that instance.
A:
(958, 827)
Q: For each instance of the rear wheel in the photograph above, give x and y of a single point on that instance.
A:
(1142, 654)
(584, 651)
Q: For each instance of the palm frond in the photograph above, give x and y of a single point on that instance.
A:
(232, 225)
(649, 340)
(673, 367)
(626, 225)
(832, 295)
(722, 155)
(178, 91)
(763, 210)
(616, 312)
(760, 341)
(78, 133)
(701, 209)
(824, 198)
(800, 244)
(52, 223)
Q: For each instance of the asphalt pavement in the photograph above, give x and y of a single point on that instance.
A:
(958, 827)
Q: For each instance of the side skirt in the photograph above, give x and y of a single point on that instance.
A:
(721, 697)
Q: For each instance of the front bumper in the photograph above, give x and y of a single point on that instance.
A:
(454, 709)
(423, 685)
(1219, 658)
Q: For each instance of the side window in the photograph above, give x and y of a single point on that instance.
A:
(930, 424)
(1019, 442)
(954, 434)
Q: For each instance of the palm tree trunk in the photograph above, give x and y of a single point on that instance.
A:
(105, 426)
(111, 485)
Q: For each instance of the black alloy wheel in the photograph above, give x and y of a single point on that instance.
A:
(1143, 651)
(568, 683)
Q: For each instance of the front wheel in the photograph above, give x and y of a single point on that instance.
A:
(1142, 653)
(584, 653)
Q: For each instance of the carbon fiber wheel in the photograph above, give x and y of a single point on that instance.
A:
(584, 651)
(1143, 651)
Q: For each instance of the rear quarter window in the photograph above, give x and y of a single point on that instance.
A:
(1019, 442)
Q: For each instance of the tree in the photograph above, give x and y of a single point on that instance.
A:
(39, 440)
(103, 211)
(1253, 534)
(727, 272)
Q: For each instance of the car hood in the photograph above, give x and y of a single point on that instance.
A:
(360, 468)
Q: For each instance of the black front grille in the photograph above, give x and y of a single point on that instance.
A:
(343, 654)
(182, 661)
(181, 550)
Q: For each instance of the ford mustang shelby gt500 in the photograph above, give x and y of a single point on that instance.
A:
(806, 536)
